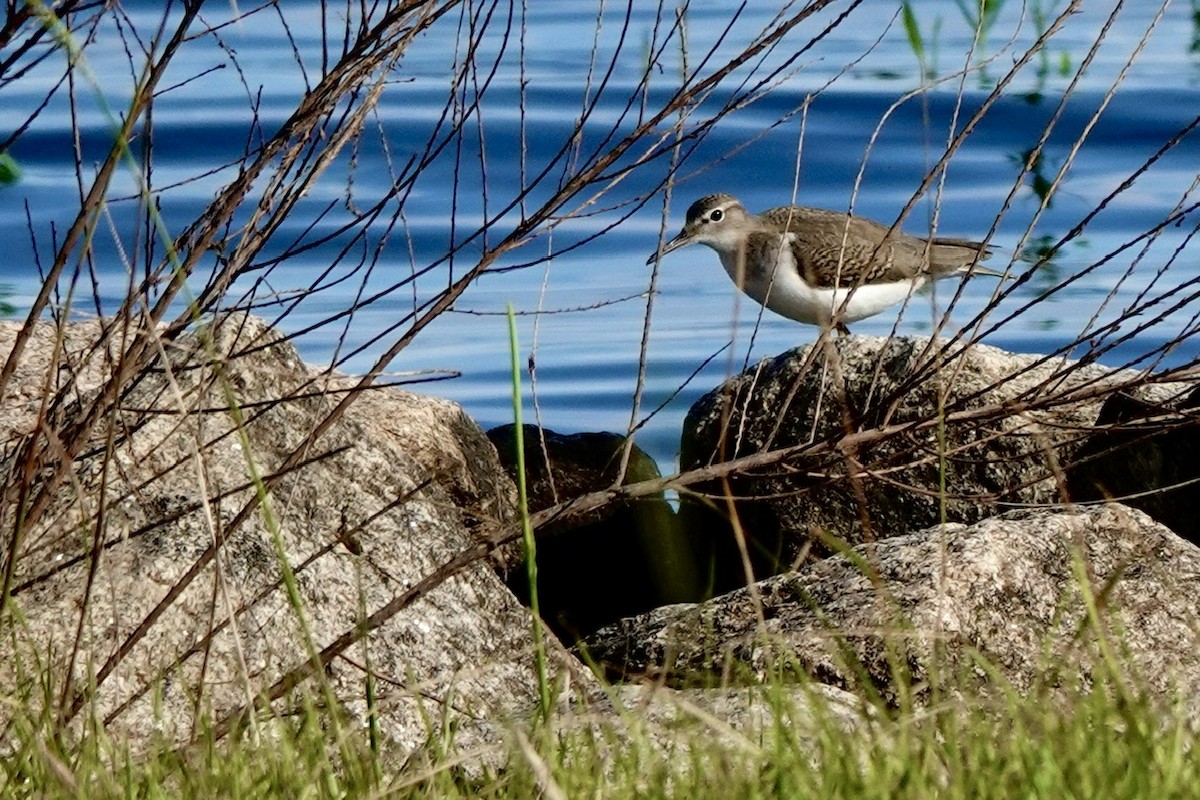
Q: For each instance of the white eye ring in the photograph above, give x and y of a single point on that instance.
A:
(716, 215)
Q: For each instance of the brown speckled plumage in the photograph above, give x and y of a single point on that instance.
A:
(821, 267)
(836, 249)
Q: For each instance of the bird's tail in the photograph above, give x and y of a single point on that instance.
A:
(956, 255)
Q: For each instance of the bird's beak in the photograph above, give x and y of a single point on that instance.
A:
(676, 243)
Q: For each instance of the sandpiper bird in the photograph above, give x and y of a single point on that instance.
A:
(821, 267)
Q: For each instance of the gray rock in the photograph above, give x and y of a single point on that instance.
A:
(834, 409)
(391, 492)
(689, 724)
(808, 706)
(946, 605)
(684, 729)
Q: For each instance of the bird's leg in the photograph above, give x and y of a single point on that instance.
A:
(841, 328)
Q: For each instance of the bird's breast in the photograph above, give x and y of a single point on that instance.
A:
(772, 277)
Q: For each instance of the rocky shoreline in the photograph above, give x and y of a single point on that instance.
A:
(902, 516)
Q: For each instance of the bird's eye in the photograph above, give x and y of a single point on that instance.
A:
(716, 215)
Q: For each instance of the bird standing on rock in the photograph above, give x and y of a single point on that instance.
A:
(821, 267)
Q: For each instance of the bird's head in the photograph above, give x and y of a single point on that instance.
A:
(717, 220)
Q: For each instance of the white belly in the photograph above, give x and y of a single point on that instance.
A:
(791, 297)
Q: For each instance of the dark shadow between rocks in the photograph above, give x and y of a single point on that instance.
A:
(1144, 455)
(618, 561)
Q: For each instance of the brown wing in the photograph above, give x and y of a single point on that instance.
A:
(833, 248)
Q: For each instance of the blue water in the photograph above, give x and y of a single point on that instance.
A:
(809, 137)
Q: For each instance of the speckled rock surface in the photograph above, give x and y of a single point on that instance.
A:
(391, 491)
(940, 603)
(1020, 419)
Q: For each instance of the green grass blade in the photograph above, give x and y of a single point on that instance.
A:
(9, 171)
(539, 643)
(913, 31)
